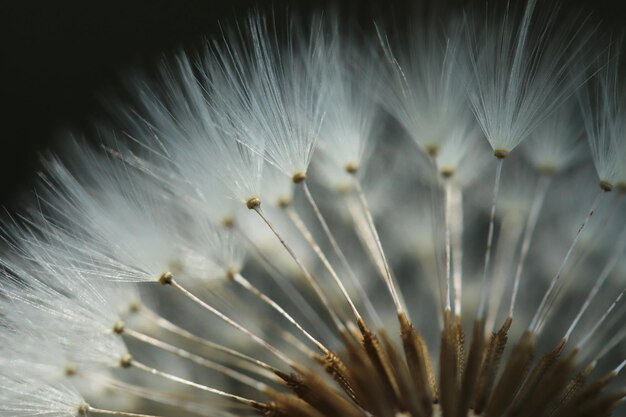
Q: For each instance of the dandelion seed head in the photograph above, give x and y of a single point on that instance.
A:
(273, 91)
(351, 108)
(26, 396)
(192, 263)
(602, 105)
(521, 75)
(426, 91)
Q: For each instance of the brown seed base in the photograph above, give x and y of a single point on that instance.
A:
(373, 377)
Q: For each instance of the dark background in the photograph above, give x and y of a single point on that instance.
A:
(58, 57)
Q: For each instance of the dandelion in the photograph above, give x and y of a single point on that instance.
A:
(185, 266)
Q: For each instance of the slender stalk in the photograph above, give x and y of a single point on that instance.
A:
(91, 410)
(619, 367)
(299, 223)
(239, 279)
(364, 233)
(457, 247)
(435, 222)
(599, 231)
(369, 306)
(529, 230)
(606, 271)
(233, 323)
(298, 344)
(614, 341)
(183, 401)
(174, 378)
(448, 242)
(291, 292)
(242, 359)
(318, 290)
(379, 246)
(598, 323)
(362, 230)
(199, 360)
(508, 240)
(492, 221)
(540, 311)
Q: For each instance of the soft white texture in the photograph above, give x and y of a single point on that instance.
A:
(462, 141)
(354, 82)
(521, 69)
(25, 395)
(221, 249)
(181, 116)
(603, 105)
(117, 224)
(23, 344)
(77, 312)
(167, 200)
(426, 85)
(272, 91)
(110, 218)
(131, 230)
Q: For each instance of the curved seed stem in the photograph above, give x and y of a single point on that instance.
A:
(369, 306)
(531, 223)
(179, 331)
(299, 223)
(233, 323)
(209, 364)
(492, 221)
(307, 274)
(92, 410)
(379, 246)
(540, 314)
(239, 279)
(174, 378)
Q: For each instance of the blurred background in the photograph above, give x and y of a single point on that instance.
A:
(58, 58)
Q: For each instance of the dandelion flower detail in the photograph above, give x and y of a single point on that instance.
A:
(289, 222)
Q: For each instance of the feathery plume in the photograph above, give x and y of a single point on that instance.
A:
(146, 275)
